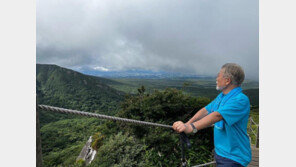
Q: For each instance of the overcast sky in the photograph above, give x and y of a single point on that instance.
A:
(190, 36)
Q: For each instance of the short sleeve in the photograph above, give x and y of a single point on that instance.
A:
(235, 109)
(210, 106)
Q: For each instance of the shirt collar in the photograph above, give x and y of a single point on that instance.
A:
(231, 91)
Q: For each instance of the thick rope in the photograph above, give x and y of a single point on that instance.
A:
(205, 164)
(68, 111)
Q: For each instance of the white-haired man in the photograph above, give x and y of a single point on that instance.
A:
(229, 112)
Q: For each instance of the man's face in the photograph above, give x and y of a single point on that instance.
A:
(221, 81)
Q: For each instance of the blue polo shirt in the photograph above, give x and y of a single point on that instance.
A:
(232, 141)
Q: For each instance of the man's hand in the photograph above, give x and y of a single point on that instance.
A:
(179, 126)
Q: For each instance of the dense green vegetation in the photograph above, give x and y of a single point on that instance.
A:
(150, 146)
(130, 144)
(117, 143)
(63, 140)
(120, 150)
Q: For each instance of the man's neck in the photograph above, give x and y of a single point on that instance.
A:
(228, 89)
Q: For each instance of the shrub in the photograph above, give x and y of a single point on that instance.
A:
(120, 150)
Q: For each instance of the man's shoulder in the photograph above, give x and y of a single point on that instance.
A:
(241, 97)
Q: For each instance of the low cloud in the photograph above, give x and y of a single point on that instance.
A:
(101, 69)
(175, 36)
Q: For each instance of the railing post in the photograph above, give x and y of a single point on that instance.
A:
(38, 141)
(249, 128)
(213, 153)
(257, 138)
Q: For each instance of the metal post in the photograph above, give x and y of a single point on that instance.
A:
(38, 141)
(248, 129)
(213, 153)
(257, 138)
(184, 140)
(183, 160)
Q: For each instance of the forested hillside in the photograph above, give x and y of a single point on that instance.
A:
(66, 88)
(63, 136)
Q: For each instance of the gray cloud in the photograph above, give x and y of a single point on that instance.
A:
(193, 36)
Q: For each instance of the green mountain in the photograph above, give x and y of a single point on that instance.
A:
(66, 88)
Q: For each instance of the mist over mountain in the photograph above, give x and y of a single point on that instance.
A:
(137, 73)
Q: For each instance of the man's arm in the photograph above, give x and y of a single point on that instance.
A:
(208, 120)
(205, 122)
(199, 115)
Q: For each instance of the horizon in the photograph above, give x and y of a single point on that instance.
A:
(141, 74)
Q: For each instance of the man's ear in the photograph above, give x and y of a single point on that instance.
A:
(228, 81)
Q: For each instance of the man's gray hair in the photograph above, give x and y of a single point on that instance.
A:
(234, 72)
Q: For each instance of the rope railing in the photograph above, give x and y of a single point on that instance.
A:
(251, 121)
(253, 132)
(205, 164)
(88, 114)
(250, 126)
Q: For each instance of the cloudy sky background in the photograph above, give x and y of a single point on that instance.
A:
(189, 36)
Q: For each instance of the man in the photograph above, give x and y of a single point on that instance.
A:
(229, 112)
